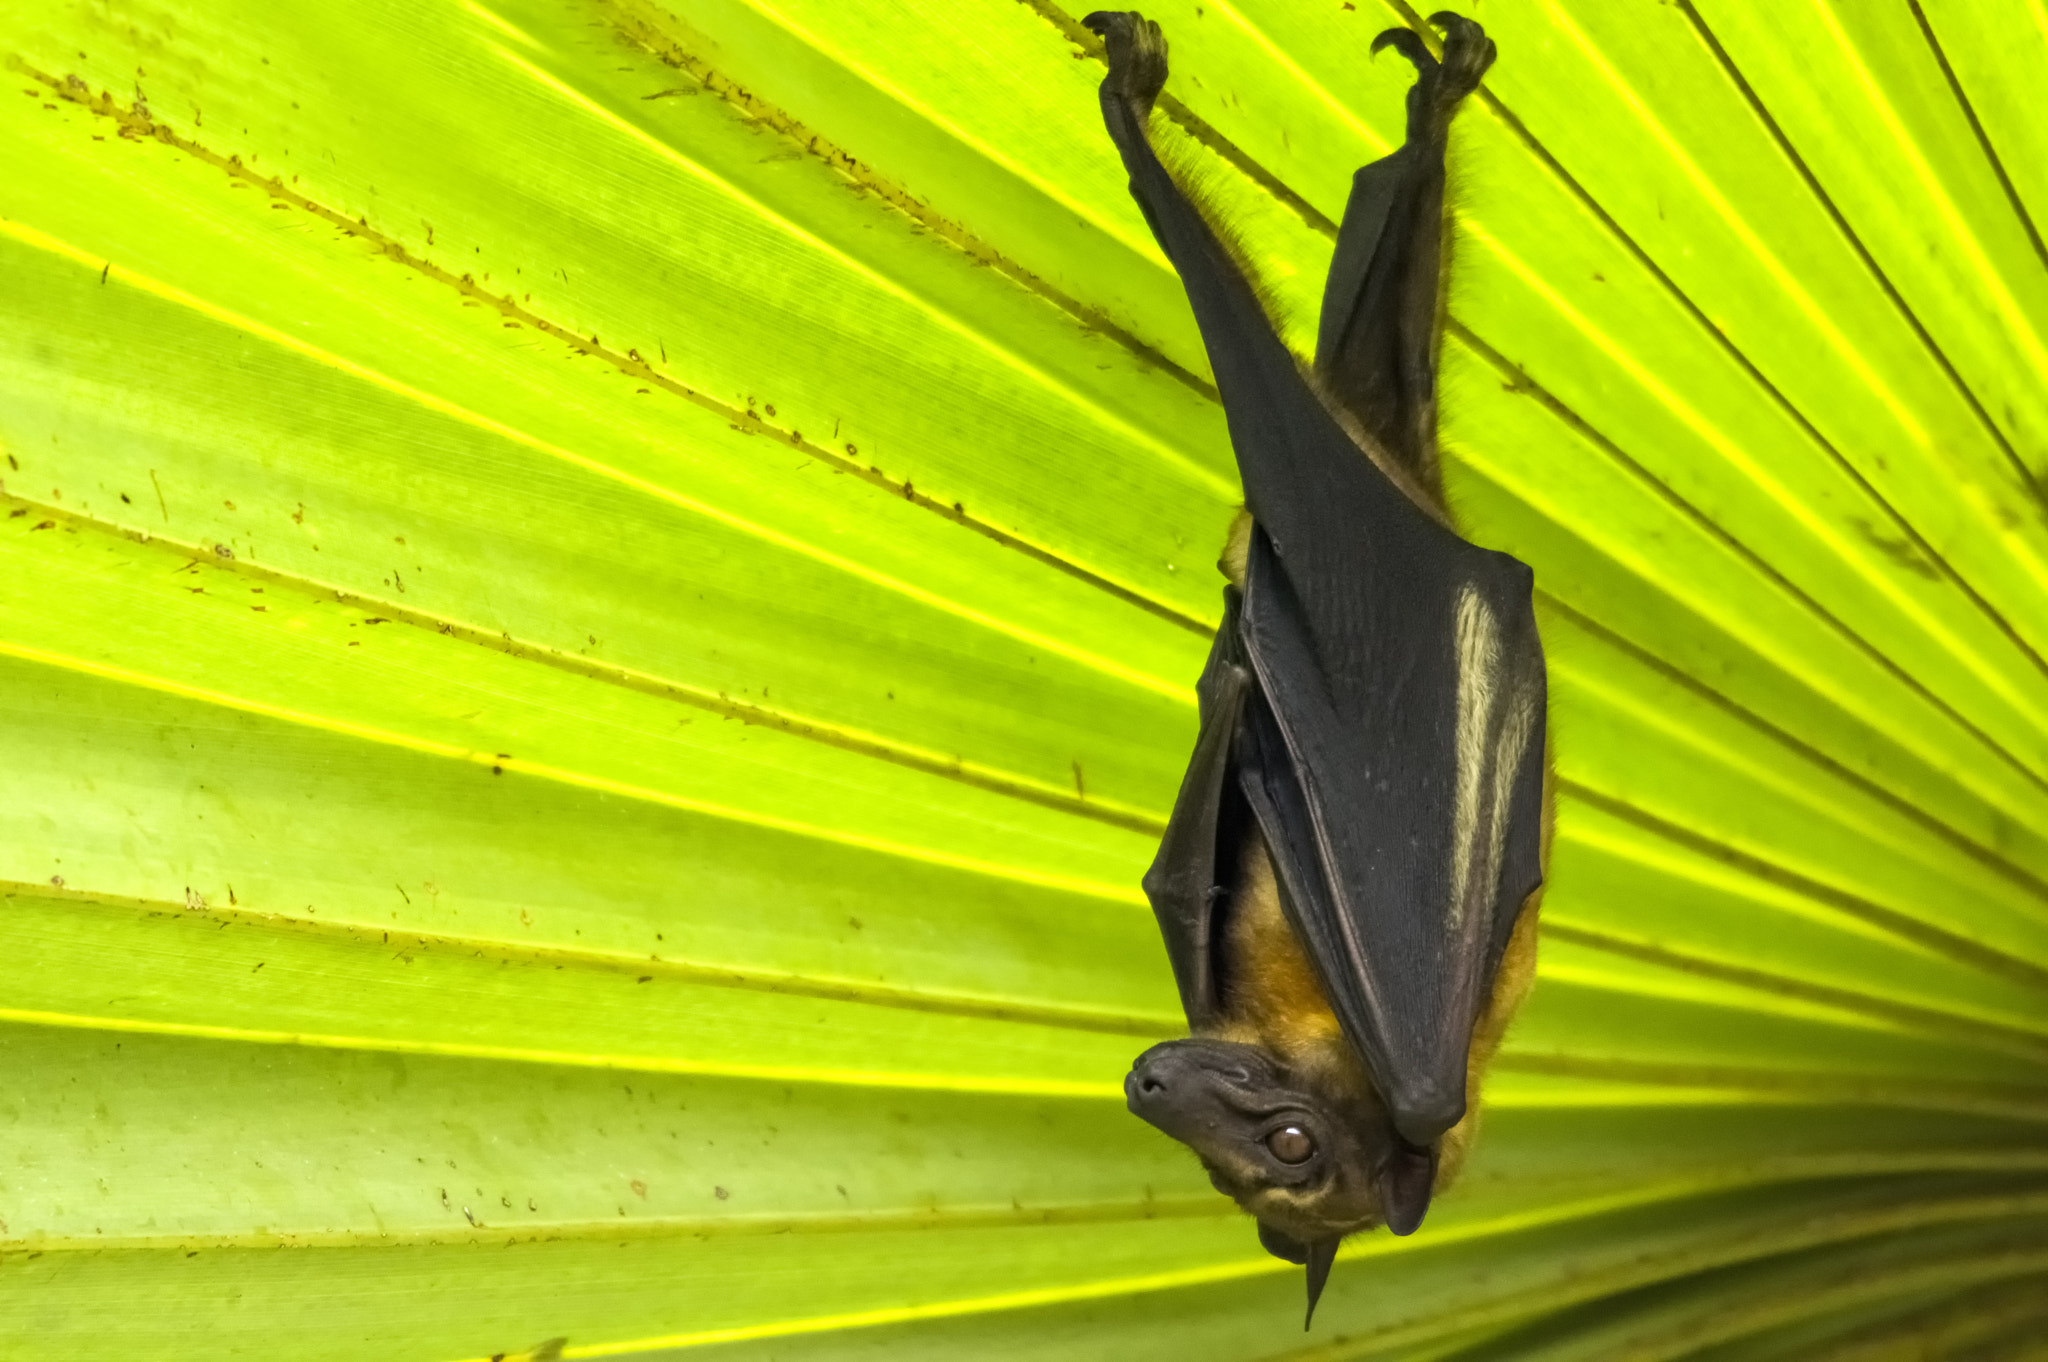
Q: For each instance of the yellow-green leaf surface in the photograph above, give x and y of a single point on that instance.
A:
(599, 616)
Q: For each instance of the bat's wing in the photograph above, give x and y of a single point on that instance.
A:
(1192, 864)
(1395, 765)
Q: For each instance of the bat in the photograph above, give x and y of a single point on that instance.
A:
(1348, 883)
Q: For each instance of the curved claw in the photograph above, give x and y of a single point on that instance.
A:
(1409, 44)
(1468, 52)
(1103, 21)
(1137, 55)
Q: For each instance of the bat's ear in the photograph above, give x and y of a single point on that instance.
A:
(1316, 1257)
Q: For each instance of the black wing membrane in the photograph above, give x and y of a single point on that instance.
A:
(1390, 737)
(1398, 716)
(1195, 854)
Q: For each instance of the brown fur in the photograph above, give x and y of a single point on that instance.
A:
(1272, 997)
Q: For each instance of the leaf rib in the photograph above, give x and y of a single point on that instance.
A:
(844, 738)
(1177, 692)
(701, 973)
(499, 1234)
(1930, 1021)
(1977, 129)
(967, 332)
(1962, 949)
(2017, 1101)
(1769, 123)
(1986, 855)
(138, 121)
(1523, 383)
(562, 775)
(646, 34)
(773, 1073)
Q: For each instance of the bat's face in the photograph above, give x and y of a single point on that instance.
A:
(1311, 1163)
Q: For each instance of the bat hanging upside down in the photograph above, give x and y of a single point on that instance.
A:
(1349, 881)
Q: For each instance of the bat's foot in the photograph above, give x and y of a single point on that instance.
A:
(1468, 52)
(1439, 85)
(1137, 57)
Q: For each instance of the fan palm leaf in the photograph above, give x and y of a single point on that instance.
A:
(600, 616)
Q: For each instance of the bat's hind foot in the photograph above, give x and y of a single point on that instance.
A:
(1137, 57)
(1468, 52)
(1440, 84)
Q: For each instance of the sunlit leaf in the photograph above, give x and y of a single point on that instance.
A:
(600, 616)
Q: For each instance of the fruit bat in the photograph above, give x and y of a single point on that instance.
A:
(1347, 885)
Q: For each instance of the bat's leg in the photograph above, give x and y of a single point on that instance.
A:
(1376, 346)
(1262, 389)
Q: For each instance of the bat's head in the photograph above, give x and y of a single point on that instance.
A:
(1312, 1154)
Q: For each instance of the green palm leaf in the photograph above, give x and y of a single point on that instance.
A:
(600, 622)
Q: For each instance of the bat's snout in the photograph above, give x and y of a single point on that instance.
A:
(1171, 1082)
(1154, 1080)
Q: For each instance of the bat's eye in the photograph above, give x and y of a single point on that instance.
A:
(1291, 1144)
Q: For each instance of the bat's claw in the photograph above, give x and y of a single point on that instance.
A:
(1137, 57)
(1409, 44)
(1467, 54)
(1440, 84)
